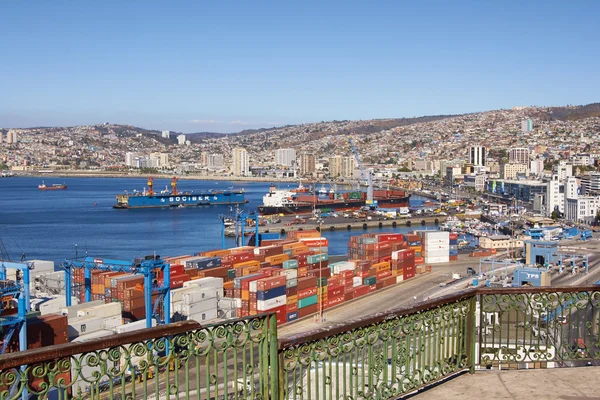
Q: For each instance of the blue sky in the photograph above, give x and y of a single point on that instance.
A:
(224, 66)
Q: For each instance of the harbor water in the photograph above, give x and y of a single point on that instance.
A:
(54, 225)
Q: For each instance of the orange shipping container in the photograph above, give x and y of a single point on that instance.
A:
(277, 259)
(250, 263)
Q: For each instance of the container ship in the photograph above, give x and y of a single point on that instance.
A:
(174, 198)
(291, 202)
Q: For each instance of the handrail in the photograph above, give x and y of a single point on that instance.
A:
(58, 351)
(298, 339)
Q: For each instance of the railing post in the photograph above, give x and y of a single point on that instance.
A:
(274, 372)
(472, 332)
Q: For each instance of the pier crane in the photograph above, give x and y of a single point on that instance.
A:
(239, 219)
(148, 266)
(9, 292)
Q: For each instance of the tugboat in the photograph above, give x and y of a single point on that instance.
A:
(55, 186)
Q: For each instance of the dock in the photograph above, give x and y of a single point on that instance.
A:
(352, 224)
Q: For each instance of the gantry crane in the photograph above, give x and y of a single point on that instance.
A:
(147, 266)
(14, 290)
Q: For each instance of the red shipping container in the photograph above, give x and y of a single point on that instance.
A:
(334, 301)
(292, 307)
(307, 292)
(307, 282)
(390, 237)
(304, 311)
(269, 283)
(360, 291)
(372, 288)
(334, 290)
(383, 274)
(246, 281)
(291, 291)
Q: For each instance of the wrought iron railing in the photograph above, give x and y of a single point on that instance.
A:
(383, 356)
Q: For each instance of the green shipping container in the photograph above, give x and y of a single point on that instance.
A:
(308, 301)
(316, 258)
(290, 264)
(369, 280)
(355, 195)
(231, 273)
(321, 282)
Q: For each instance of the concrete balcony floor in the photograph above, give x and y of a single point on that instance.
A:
(538, 384)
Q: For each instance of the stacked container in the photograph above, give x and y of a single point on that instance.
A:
(197, 300)
(403, 264)
(436, 246)
(453, 253)
(414, 242)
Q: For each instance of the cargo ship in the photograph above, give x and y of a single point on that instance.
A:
(56, 186)
(290, 202)
(174, 198)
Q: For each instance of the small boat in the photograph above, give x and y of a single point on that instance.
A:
(55, 186)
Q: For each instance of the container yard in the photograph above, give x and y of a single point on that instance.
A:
(292, 277)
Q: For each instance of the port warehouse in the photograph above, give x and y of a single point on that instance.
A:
(292, 278)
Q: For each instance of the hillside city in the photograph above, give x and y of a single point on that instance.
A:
(543, 157)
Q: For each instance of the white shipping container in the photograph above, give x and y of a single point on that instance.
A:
(293, 282)
(102, 310)
(399, 278)
(43, 266)
(204, 316)
(227, 303)
(432, 235)
(81, 326)
(238, 303)
(112, 322)
(199, 307)
(71, 311)
(357, 281)
(133, 326)
(177, 294)
(253, 286)
(54, 305)
(208, 282)
(437, 260)
(199, 295)
(264, 305)
(290, 273)
(82, 378)
(346, 266)
(436, 253)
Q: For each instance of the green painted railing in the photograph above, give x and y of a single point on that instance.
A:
(384, 356)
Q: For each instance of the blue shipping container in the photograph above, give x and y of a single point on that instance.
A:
(271, 293)
(292, 316)
(204, 263)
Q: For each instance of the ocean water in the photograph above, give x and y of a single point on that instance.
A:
(55, 225)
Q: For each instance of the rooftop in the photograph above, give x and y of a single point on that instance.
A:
(555, 383)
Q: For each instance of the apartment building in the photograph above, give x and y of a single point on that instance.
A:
(240, 163)
(285, 157)
(518, 155)
(307, 164)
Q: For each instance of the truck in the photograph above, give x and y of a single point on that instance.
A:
(403, 211)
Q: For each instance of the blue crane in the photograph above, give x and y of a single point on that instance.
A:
(18, 290)
(147, 266)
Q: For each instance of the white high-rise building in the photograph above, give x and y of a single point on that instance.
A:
(477, 155)
(166, 134)
(563, 170)
(519, 155)
(240, 162)
(571, 188)
(181, 139)
(285, 157)
(555, 196)
(536, 166)
(527, 125)
(1, 137)
(130, 159)
(215, 160)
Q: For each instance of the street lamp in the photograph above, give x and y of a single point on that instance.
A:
(319, 286)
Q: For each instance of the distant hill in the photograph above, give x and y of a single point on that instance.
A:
(569, 113)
